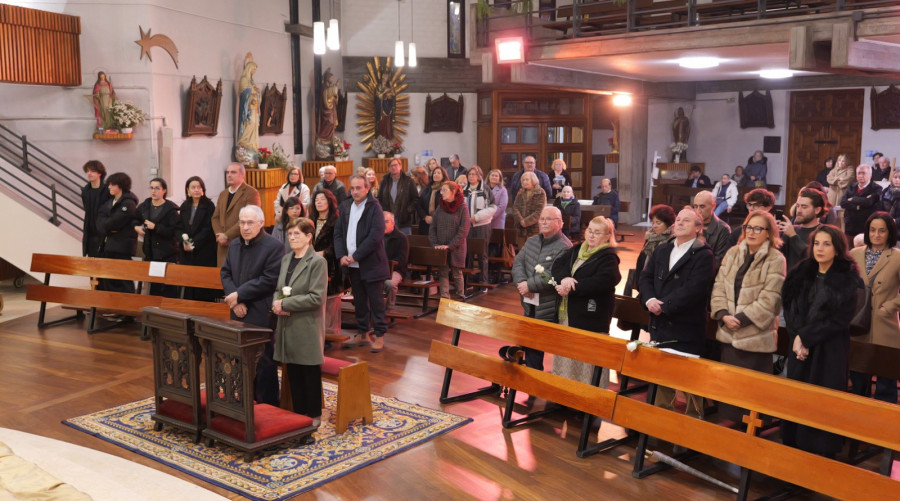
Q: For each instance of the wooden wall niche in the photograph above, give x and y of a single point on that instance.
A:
(885, 108)
(756, 110)
(444, 114)
(201, 114)
(271, 121)
(39, 47)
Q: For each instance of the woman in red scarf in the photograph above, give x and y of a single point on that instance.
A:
(449, 228)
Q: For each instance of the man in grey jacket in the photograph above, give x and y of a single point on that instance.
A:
(531, 272)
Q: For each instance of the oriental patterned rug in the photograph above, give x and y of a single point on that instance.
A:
(279, 472)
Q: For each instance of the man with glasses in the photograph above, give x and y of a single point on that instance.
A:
(538, 296)
(716, 232)
(529, 164)
(757, 199)
(331, 183)
(233, 198)
(675, 286)
(249, 276)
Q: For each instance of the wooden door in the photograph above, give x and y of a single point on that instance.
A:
(822, 124)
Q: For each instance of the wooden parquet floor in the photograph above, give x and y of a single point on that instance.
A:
(59, 372)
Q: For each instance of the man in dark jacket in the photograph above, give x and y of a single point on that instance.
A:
(531, 272)
(397, 194)
(529, 164)
(249, 276)
(697, 179)
(359, 247)
(675, 287)
(456, 169)
(396, 246)
(331, 183)
(716, 232)
(860, 201)
(94, 194)
(608, 196)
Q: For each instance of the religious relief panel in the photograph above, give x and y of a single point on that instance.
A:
(444, 114)
(201, 114)
(382, 104)
(756, 110)
(273, 105)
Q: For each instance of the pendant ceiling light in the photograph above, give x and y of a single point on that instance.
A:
(334, 37)
(318, 38)
(412, 44)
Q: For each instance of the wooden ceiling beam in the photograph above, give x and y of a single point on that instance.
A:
(866, 55)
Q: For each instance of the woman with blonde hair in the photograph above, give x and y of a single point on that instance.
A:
(587, 275)
(559, 178)
(372, 177)
(527, 206)
(839, 178)
(746, 299)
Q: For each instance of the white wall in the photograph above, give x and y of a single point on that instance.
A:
(212, 39)
(370, 27)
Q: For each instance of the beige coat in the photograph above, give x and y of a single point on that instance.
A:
(759, 298)
(225, 216)
(885, 326)
(838, 181)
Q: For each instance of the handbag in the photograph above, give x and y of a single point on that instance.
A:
(509, 255)
(861, 323)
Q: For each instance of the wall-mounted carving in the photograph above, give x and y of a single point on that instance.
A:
(201, 112)
(162, 41)
(444, 114)
(756, 110)
(885, 108)
(273, 104)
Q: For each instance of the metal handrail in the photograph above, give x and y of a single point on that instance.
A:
(51, 181)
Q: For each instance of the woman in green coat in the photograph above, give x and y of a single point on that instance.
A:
(300, 306)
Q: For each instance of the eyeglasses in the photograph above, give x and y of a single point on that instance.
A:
(755, 229)
(294, 234)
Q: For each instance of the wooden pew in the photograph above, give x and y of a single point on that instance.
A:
(128, 304)
(837, 412)
(428, 260)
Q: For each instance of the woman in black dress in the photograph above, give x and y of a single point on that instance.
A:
(819, 299)
(323, 211)
(157, 221)
(199, 248)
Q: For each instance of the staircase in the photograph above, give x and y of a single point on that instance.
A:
(40, 203)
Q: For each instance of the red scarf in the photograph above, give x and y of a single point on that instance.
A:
(452, 207)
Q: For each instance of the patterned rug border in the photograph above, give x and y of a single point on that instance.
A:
(462, 421)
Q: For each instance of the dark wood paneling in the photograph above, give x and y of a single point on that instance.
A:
(434, 75)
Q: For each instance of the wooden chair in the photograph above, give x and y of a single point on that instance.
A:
(428, 260)
(476, 252)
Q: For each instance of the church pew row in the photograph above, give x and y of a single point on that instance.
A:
(848, 415)
(123, 303)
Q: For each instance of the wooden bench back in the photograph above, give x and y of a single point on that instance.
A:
(476, 246)
(848, 415)
(427, 256)
(418, 241)
(176, 274)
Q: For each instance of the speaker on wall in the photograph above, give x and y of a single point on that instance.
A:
(772, 144)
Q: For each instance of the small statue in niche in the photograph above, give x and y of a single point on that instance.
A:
(248, 113)
(681, 131)
(614, 142)
(327, 121)
(385, 101)
(104, 96)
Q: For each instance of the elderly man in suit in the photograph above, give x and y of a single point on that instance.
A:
(249, 275)
(233, 198)
(359, 247)
(675, 286)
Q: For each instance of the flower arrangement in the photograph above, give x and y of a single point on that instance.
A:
(340, 148)
(545, 276)
(126, 115)
(276, 157)
(397, 148)
(264, 155)
(678, 148)
(382, 145)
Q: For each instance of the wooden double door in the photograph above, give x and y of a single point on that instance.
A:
(822, 124)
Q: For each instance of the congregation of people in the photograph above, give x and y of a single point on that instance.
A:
(794, 269)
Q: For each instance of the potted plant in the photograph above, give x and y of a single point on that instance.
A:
(397, 149)
(382, 146)
(263, 158)
(126, 116)
(340, 148)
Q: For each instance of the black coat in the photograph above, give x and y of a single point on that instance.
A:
(573, 210)
(91, 237)
(204, 253)
(162, 242)
(684, 292)
(396, 245)
(858, 207)
(116, 222)
(370, 254)
(823, 323)
(591, 303)
(252, 270)
(407, 198)
(324, 243)
(422, 207)
(702, 182)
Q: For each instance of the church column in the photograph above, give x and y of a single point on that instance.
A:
(634, 166)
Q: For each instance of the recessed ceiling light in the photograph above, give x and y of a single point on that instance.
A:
(696, 63)
(776, 73)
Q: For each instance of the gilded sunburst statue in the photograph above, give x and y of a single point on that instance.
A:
(381, 104)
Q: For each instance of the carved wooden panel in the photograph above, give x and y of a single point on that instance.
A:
(444, 114)
(271, 121)
(885, 108)
(38, 47)
(201, 112)
(756, 110)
